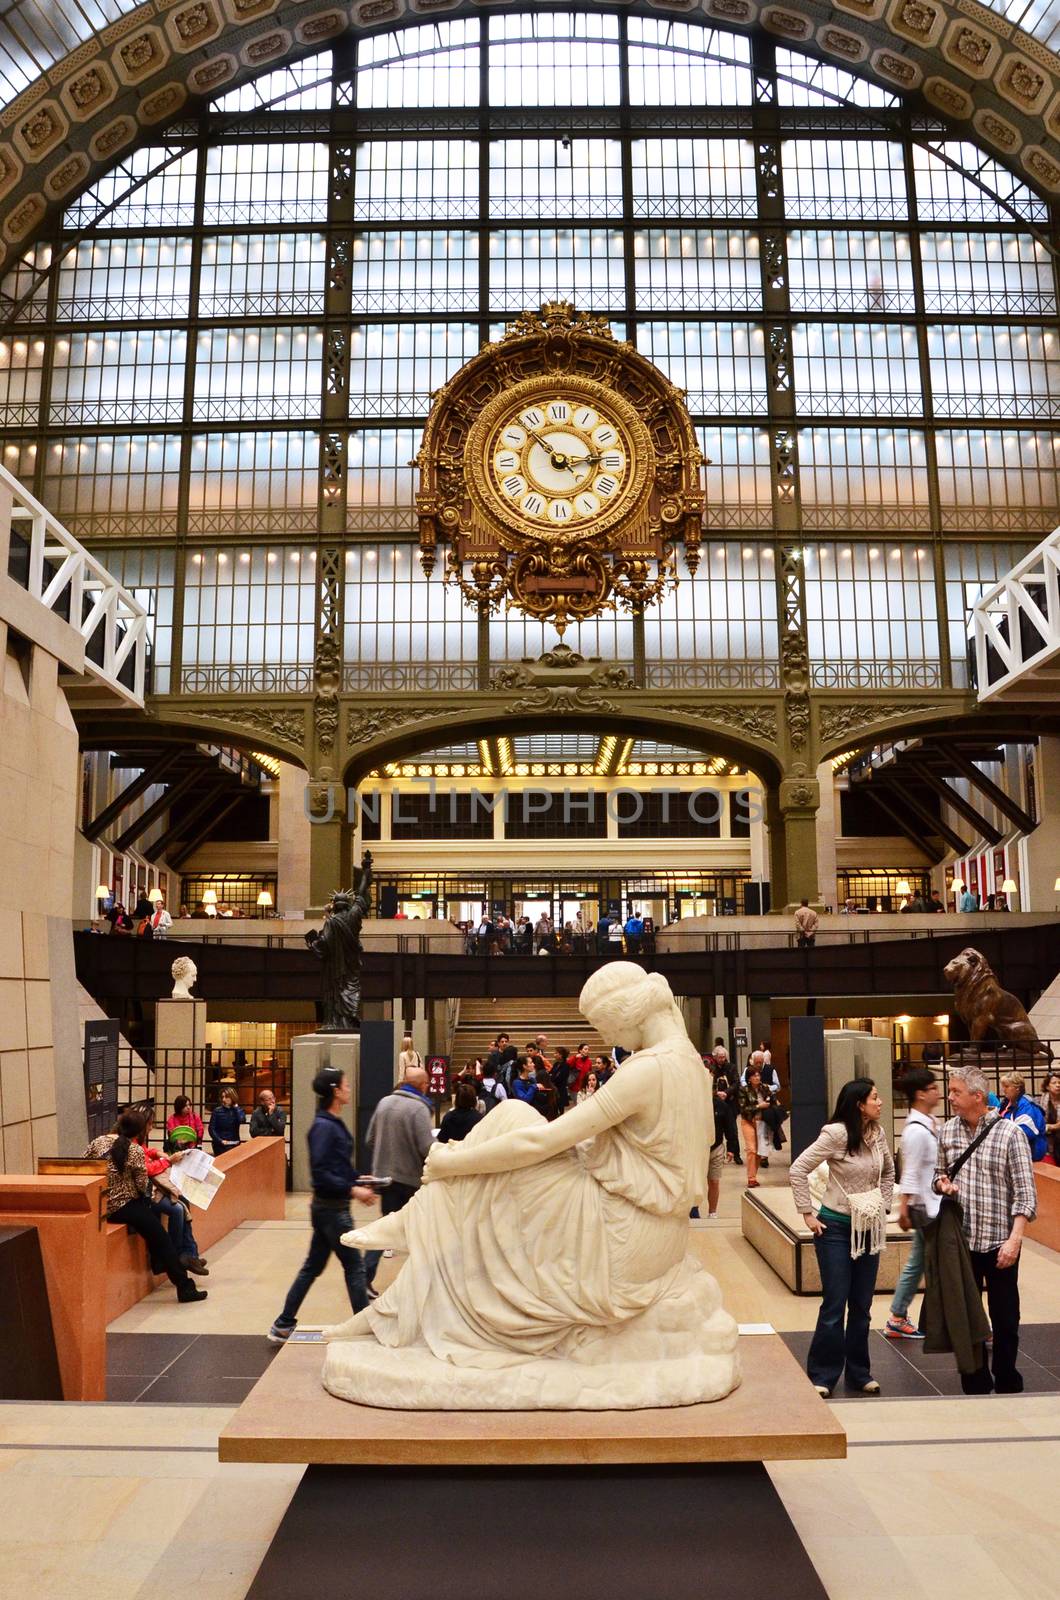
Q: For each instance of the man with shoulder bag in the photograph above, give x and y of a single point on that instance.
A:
(985, 1165)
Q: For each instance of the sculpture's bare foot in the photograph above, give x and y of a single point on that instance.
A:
(384, 1233)
(355, 1327)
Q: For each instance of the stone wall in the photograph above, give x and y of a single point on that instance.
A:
(41, 1094)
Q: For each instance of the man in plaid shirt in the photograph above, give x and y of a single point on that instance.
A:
(995, 1187)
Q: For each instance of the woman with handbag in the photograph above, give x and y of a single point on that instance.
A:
(849, 1233)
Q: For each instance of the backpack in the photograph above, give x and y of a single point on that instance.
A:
(144, 929)
(490, 1096)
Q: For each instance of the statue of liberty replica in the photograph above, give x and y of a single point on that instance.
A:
(337, 945)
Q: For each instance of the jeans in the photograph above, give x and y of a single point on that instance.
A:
(394, 1198)
(1003, 1304)
(142, 1218)
(846, 1292)
(330, 1221)
(179, 1223)
(909, 1282)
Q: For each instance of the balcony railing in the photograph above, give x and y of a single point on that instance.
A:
(1015, 627)
(49, 562)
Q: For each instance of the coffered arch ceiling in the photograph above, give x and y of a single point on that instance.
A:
(89, 108)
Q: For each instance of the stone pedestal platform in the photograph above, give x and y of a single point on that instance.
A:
(476, 1505)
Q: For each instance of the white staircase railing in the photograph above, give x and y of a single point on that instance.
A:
(1015, 627)
(72, 583)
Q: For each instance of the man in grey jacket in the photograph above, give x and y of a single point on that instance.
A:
(400, 1136)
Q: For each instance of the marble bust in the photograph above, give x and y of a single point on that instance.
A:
(184, 973)
(547, 1262)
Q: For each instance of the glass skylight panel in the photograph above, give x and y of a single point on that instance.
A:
(674, 64)
(554, 59)
(562, 177)
(802, 82)
(437, 65)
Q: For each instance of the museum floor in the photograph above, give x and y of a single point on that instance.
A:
(128, 1498)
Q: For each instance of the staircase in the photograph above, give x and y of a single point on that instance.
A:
(480, 1021)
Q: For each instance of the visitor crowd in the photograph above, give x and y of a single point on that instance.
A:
(500, 935)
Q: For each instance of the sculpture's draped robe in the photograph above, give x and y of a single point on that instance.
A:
(580, 1258)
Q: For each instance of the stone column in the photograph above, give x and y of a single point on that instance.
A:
(311, 1052)
(792, 817)
(329, 845)
(294, 839)
(828, 823)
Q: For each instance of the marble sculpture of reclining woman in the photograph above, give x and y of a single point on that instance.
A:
(548, 1263)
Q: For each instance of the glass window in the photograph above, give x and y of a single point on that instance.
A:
(961, 184)
(242, 373)
(248, 614)
(262, 275)
(402, 180)
(530, 266)
(720, 365)
(396, 367)
(673, 64)
(697, 269)
(737, 478)
(414, 270)
(149, 577)
(987, 274)
(553, 59)
(248, 482)
(114, 486)
(154, 187)
(694, 178)
(802, 82)
(970, 569)
(119, 377)
(19, 280)
(21, 370)
(856, 179)
(396, 615)
(876, 478)
(117, 280)
(723, 620)
(998, 479)
(857, 369)
(382, 480)
(871, 616)
(850, 271)
(994, 371)
(568, 177)
(437, 65)
(298, 86)
(274, 182)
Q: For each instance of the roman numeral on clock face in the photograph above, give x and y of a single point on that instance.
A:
(559, 511)
(514, 485)
(606, 486)
(534, 504)
(558, 411)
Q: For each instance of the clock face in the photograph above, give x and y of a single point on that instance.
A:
(560, 461)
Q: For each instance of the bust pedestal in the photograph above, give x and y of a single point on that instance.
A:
(311, 1052)
(180, 1043)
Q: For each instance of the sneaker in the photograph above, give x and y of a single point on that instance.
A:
(901, 1328)
(823, 1390)
(278, 1335)
(871, 1388)
(188, 1292)
(373, 1294)
(388, 1255)
(763, 1161)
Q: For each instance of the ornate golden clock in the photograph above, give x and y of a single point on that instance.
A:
(559, 467)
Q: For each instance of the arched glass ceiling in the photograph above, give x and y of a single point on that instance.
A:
(37, 34)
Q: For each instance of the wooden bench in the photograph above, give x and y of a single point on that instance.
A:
(1045, 1229)
(253, 1190)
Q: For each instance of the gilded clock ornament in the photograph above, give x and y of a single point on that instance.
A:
(559, 469)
